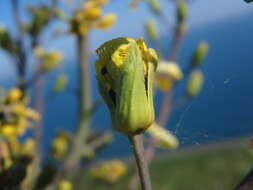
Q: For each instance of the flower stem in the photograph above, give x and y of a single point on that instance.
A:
(138, 149)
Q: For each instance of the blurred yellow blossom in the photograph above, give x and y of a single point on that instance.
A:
(50, 60)
(162, 136)
(60, 145)
(91, 16)
(13, 95)
(195, 83)
(15, 114)
(109, 171)
(28, 147)
(167, 73)
(106, 21)
(64, 185)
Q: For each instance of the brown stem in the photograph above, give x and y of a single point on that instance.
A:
(246, 183)
(21, 59)
(142, 165)
(85, 104)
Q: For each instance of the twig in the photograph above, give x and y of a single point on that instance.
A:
(246, 183)
(85, 104)
(21, 60)
(142, 165)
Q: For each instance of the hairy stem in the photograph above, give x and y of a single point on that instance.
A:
(142, 165)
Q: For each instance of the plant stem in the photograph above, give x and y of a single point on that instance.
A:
(21, 59)
(85, 104)
(142, 165)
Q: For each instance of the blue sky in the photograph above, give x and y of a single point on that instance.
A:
(201, 13)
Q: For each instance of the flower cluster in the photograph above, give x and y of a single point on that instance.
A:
(91, 16)
(15, 115)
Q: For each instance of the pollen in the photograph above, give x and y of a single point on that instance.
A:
(119, 55)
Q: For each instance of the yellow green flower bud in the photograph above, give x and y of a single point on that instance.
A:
(106, 21)
(151, 30)
(64, 185)
(60, 145)
(8, 131)
(171, 69)
(28, 147)
(195, 83)
(162, 136)
(125, 71)
(200, 53)
(154, 6)
(109, 171)
(181, 11)
(5, 155)
(94, 3)
(14, 95)
(60, 83)
(50, 60)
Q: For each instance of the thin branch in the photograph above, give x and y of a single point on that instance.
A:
(142, 165)
(22, 56)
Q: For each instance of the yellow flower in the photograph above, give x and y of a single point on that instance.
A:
(38, 51)
(162, 136)
(167, 73)
(8, 131)
(6, 160)
(151, 30)
(28, 147)
(92, 13)
(50, 60)
(106, 21)
(60, 145)
(21, 110)
(14, 95)
(195, 83)
(170, 69)
(109, 171)
(94, 3)
(64, 185)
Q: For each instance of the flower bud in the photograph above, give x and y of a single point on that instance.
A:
(60, 145)
(170, 69)
(181, 11)
(155, 6)
(28, 148)
(106, 21)
(125, 71)
(14, 95)
(162, 136)
(151, 30)
(109, 171)
(200, 53)
(60, 83)
(64, 185)
(50, 60)
(195, 83)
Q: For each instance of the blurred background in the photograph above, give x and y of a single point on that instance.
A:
(223, 109)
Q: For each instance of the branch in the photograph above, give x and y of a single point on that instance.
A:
(142, 165)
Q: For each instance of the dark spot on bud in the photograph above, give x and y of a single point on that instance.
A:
(1, 115)
(146, 86)
(104, 71)
(112, 95)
